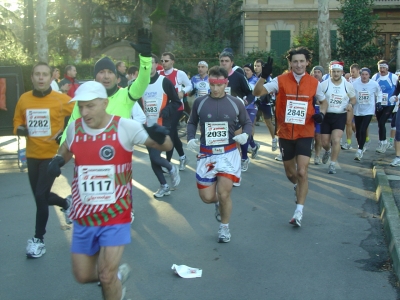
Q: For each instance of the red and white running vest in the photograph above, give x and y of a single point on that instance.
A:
(174, 79)
(101, 188)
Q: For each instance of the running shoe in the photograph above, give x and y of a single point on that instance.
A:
(254, 151)
(395, 162)
(296, 220)
(132, 216)
(245, 164)
(367, 145)
(217, 212)
(237, 183)
(358, 156)
(317, 160)
(182, 163)
(332, 169)
(35, 248)
(390, 145)
(164, 190)
(224, 236)
(382, 147)
(175, 178)
(67, 210)
(346, 146)
(123, 271)
(274, 144)
(326, 156)
(278, 157)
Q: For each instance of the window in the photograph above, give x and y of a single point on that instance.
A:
(280, 41)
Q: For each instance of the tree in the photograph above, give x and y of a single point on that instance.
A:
(41, 31)
(358, 27)
(324, 33)
(29, 30)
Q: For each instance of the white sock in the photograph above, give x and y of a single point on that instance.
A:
(299, 207)
(333, 162)
(384, 142)
(359, 150)
(183, 156)
(224, 225)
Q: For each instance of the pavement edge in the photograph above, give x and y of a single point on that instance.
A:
(389, 216)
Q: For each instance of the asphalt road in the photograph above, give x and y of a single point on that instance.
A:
(338, 253)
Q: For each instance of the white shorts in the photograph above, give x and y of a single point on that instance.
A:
(211, 165)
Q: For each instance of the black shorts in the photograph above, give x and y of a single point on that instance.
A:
(333, 121)
(292, 148)
(266, 110)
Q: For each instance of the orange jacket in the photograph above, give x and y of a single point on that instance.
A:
(43, 147)
(290, 90)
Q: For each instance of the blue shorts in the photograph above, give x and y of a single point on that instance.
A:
(252, 114)
(88, 239)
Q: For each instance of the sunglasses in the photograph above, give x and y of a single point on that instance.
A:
(165, 60)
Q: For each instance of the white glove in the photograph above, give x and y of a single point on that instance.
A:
(393, 100)
(241, 138)
(193, 145)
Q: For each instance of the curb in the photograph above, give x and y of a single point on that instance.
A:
(389, 216)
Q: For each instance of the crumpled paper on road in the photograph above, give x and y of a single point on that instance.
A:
(187, 272)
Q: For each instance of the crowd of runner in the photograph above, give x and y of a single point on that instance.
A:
(100, 121)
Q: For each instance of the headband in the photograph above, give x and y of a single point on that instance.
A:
(383, 66)
(217, 81)
(367, 70)
(336, 66)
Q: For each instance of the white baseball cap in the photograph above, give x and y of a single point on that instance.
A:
(89, 91)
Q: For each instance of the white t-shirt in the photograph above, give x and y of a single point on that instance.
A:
(338, 96)
(130, 133)
(54, 86)
(138, 114)
(367, 94)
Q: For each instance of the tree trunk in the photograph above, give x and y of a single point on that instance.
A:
(324, 33)
(86, 17)
(29, 27)
(63, 27)
(159, 18)
(41, 31)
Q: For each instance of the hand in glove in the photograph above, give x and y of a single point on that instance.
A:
(54, 167)
(319, 118)
(267, 68)
(157, 133)
(378, 106)
(241, 138)
(22, 130)
(193, 145)
(143, 45)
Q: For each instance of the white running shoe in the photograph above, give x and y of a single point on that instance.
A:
(123, 271)
(182, 163)
(278, 157)
(367, 145)
(326, 156)
(358, 156)
(332, 169)
(390, 145)
(35, 248)
(164, 190)
(175, 178)
(245, 164)
(317, 160)
(346, 146)
(224, 236)
(395, 162)
(382, 147)
(296, 220)
(274, 145)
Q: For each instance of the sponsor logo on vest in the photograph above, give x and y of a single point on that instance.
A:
(107, 153)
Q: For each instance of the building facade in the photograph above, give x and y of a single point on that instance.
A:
(273, 24)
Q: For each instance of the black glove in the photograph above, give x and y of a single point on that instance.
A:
(143, 45)
(193, 92)
(378, 106)
(267, 68)
(257, 102)
(54, 167)
(22, 130)
(58, 138)
(165, 113)
(157, 133)
(319, 118)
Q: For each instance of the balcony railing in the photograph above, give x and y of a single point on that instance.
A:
(387, 2)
